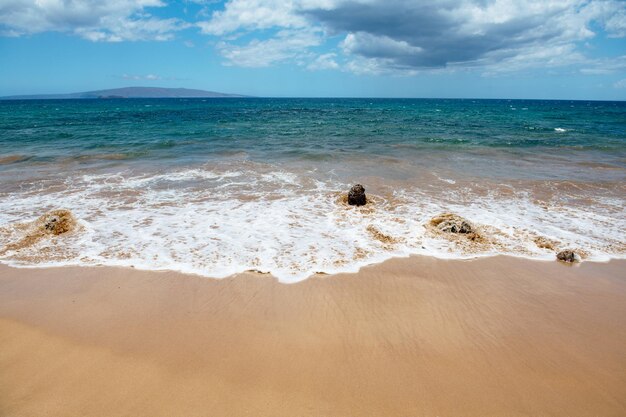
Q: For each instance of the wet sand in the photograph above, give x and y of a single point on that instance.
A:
(410, 337)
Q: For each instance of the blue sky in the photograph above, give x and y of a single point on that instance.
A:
(566, 49)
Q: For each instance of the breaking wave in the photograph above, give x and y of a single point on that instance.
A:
(218, 221)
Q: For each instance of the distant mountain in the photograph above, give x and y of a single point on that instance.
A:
(128, 92)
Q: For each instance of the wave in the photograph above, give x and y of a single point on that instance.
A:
(12, 159)
(217, 221)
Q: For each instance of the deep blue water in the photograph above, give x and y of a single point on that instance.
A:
(308, 129)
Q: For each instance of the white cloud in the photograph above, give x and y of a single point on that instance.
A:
(296, 34)
(149, 77)
(324, 62)
(252, 15)
(549, 56)
(611, 14)
(286, 45)
(616, 25)
(247, 15)
(95, 20)
(605, 66)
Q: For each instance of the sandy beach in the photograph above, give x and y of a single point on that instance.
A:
(409, 337)
(311, 208)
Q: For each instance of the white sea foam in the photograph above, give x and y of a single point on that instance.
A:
(447, 180)
(560, 129)
(220, 222)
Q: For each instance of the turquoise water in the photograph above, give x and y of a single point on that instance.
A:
(195, 130)
(258, 179)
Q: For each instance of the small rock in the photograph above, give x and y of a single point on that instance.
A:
(568, 255)
(53, 223)
(356, 196)
(58, 222)
(451, 223)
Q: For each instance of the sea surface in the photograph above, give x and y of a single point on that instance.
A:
(220, 186)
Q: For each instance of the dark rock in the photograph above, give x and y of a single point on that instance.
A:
(567, 255)
(356, 196)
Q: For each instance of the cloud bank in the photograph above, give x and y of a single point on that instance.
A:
(95, 20)
(412, 36)
(362, 36)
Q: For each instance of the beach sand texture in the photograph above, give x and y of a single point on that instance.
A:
(410, 337)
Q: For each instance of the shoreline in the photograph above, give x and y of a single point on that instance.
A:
(4, 264)
(355, 268)
(415, 336)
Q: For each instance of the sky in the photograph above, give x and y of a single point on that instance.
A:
(547, 49)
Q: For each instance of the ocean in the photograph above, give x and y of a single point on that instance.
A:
(220, 186)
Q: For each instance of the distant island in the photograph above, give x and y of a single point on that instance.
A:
(127, 92)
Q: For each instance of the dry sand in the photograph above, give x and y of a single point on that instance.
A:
(410, 337)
